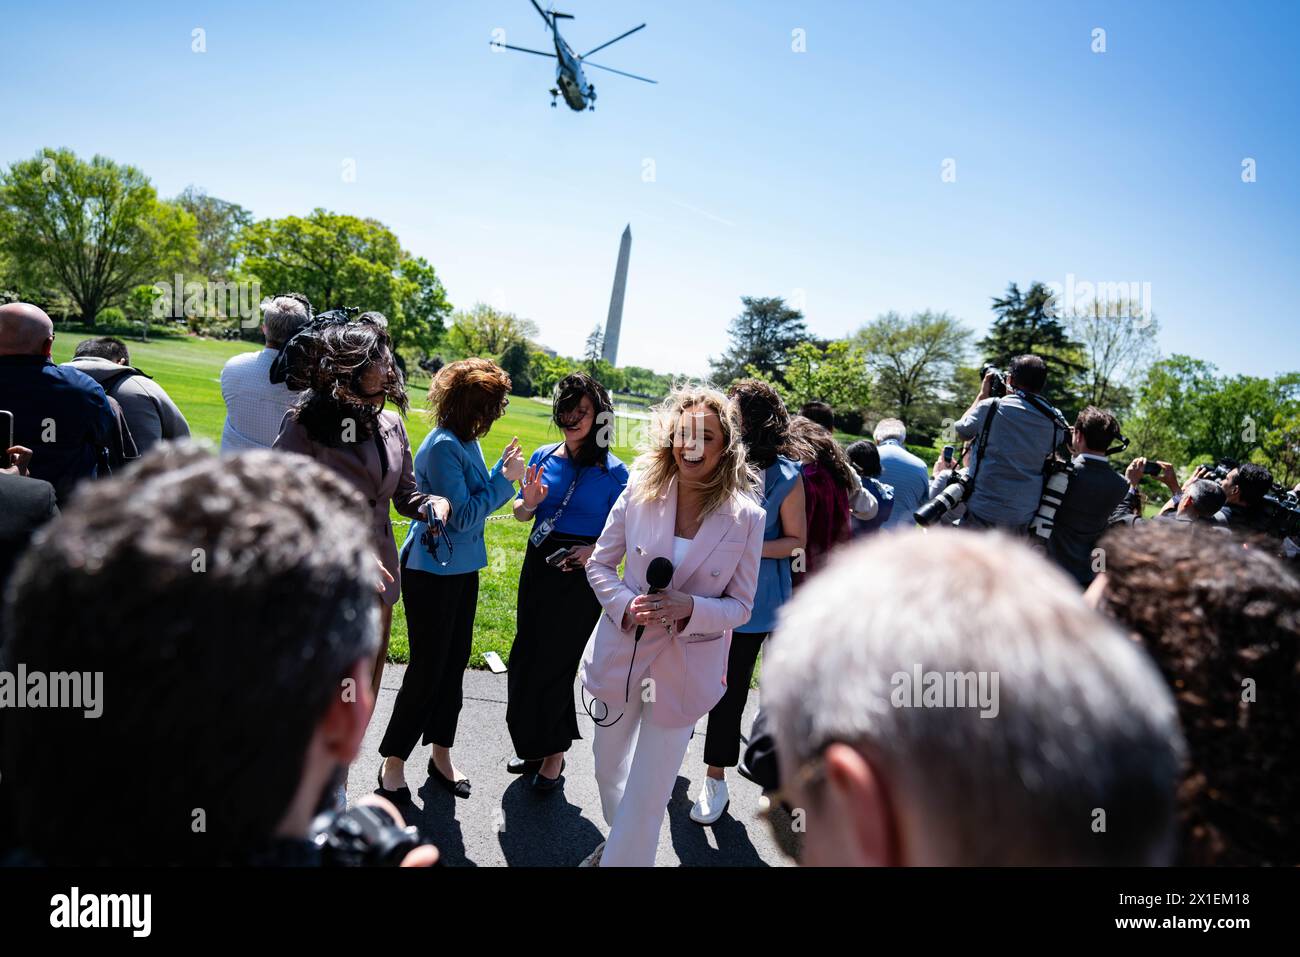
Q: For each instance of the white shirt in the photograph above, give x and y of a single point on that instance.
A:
(254, 407)
(680, 547)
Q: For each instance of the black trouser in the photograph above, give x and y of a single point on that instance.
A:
(722, 739)
(557, 611)
(440, 628)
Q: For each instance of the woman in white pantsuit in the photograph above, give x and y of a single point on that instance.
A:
(691, 500)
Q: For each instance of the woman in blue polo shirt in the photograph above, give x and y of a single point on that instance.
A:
(567, 493)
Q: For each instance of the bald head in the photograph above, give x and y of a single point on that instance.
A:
(24, 330)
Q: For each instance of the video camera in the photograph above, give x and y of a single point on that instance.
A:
(1280, 510)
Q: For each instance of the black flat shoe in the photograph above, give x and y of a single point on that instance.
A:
(542, 783)
(459, 788)
(520, 766)
(401, 794)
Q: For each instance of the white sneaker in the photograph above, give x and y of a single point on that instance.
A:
(711, 803)
(593, 859)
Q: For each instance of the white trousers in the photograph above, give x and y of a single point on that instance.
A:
(636, 768)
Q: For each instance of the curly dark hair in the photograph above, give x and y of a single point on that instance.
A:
(823, 449)
(1221, 618)
(569, 392)
(467, 396)
(327, 360)
(764, 423)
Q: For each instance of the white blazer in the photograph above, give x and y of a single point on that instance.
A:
(687, 667)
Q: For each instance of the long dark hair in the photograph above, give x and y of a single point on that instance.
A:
(327, 360)
(764, 423)
(569, 393)
(824, 450)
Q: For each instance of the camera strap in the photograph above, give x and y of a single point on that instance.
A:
(983, 442)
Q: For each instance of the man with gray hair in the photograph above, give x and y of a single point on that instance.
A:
(254, 405)
(904, 471)
(1011, 725)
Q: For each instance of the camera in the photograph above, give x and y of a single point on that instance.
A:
(1281, 513)
(362, 836)
(998, 387)
(957, 491)
(1057, 473)
(1219, 471)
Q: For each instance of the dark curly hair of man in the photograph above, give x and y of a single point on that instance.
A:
(1221, 618)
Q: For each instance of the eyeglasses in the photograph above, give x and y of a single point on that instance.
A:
(778, 815)
(434, 538)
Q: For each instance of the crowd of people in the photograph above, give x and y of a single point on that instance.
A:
(994, 660)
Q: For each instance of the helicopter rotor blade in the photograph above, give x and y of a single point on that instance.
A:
(542, 14)
(610, 69)
(507, 46)
(615, 40)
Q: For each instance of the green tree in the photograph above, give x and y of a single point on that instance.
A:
(762, 337)
(484, 331)
(337, 260)
(1027, 323)
(595, 344)
(425, 306)
(218, 225)
(93, 229)
(140, 303)
(915, 359)
(836, 374)
(516, 361)
(1118, 343)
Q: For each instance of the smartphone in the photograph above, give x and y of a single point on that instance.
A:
(494, 662)
(7, 434)
(947, 453)
(557, 557)
(1152, 468)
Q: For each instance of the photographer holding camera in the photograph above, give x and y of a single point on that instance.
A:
(219, 616)
(1015, 430)
(1094, 491)
(1244, 488)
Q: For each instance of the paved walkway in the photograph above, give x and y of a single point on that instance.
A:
(505, 822)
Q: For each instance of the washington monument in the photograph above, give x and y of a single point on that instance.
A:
(610, 351)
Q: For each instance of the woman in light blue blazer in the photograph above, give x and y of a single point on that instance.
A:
(440, 571)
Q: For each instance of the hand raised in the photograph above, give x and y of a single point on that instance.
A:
(533, 488)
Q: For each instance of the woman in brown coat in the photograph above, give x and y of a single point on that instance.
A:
(347, 373)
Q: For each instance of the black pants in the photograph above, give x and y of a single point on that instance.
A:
(440, 628)
(722, 740)
(556, 614)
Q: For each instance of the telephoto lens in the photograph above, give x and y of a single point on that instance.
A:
(945, 501)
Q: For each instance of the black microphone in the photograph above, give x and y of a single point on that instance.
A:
(657, 576)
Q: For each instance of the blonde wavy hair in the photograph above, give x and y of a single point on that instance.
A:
(655, 466)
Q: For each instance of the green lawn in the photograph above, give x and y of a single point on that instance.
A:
(188, 368)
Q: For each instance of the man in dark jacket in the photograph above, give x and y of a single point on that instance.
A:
(1094, 492)
(61, 414)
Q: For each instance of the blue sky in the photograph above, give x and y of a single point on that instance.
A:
(813, 175)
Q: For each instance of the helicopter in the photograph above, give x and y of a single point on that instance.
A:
(569, 79)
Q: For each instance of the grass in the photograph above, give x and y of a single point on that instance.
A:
(189, 369)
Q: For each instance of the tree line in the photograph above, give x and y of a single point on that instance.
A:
(92, 239)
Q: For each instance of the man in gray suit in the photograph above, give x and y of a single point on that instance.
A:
(1094, 492)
